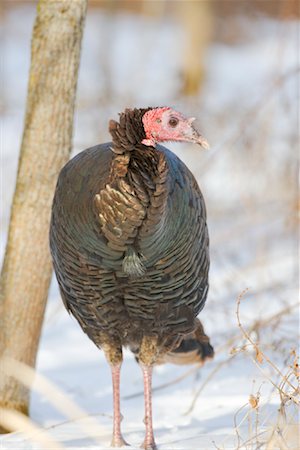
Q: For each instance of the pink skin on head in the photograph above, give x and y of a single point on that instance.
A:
(166, 124)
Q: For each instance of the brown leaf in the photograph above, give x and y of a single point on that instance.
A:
(253, 401)
(258, 355)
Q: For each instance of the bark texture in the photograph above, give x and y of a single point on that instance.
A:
(46, 146)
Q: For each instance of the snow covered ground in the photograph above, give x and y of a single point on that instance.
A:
(248, 112)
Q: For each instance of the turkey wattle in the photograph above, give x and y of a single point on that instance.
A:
(129, 244)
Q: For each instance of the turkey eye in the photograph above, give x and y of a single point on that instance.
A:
(173, 122)
(158, 120)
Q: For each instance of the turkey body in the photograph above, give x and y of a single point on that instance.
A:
(142, 272)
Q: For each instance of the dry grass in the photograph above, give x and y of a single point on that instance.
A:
(15, 421)
(267, 430)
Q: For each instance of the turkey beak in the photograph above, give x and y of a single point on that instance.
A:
(196, 137)
(200, 140)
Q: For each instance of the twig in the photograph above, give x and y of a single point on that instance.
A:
(259, 353)
(260, 324)
(249, 117)
(208, 378)
(164, 385)
(236, 427)
(76, 419)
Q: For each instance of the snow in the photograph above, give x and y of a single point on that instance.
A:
(248, 180)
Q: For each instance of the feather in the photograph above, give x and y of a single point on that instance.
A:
(132, 264)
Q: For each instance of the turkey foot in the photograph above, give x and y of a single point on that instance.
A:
(117, 439)
(149, 442)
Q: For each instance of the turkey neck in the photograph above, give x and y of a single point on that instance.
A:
(142, 175)
(136, 168)
(133, 203)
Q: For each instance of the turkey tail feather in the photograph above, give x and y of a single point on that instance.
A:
(195, 348)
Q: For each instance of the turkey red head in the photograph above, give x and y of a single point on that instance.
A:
(149, 126)
(166, 124)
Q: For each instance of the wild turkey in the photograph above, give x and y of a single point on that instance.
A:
(129, 244)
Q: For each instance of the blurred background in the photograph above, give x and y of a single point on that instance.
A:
(234, 65)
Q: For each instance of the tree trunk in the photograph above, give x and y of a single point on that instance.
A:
(46, 146)
(197, 20)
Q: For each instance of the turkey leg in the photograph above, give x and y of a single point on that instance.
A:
(117, 439)
(149, 443)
